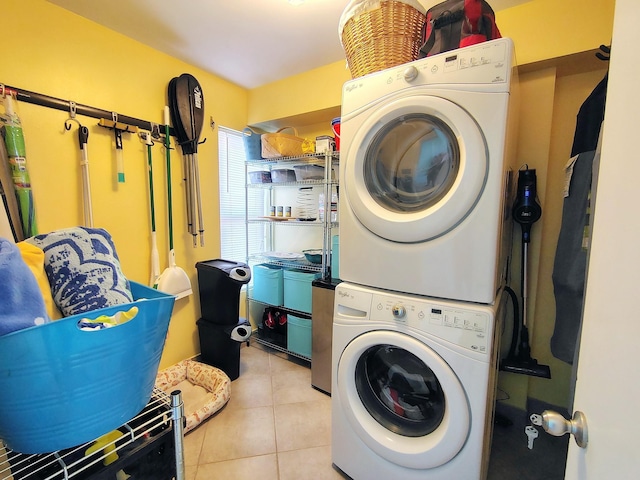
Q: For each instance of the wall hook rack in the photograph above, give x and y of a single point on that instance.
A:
(69, 106)
(118, 129)
(604, 53)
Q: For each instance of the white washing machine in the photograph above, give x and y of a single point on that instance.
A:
(413, 386)
(426, 153)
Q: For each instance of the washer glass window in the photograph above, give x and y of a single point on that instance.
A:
(399, 390)
(411, 163)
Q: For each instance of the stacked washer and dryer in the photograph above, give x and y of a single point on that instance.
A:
(424, 211)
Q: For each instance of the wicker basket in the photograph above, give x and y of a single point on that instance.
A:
(281, 144)
(383, 37)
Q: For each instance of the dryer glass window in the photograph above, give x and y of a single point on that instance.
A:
(399, 390)
(411, 163)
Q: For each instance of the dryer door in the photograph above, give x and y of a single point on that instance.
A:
(402, 399)
(417, 168)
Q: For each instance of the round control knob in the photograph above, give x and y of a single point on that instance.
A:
(410, 73)
(398, 311)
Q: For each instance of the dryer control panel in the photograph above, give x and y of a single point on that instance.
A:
(486, 67)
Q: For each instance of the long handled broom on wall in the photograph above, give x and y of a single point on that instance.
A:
(173, 280)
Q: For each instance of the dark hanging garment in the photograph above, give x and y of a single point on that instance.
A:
(570, 264)
(589, 119)
(569, 270)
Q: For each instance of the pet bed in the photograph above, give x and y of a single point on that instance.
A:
(205, 389)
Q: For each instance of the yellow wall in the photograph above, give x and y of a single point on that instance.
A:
(58, 53)
(309, 94)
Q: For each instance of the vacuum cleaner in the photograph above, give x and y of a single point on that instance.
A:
(526, 211)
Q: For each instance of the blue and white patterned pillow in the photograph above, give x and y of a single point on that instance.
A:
(83, 269)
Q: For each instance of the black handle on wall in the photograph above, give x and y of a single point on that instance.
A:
(67, 105)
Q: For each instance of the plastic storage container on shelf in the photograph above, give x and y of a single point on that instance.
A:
(65, 386)
(268, 286)
(259, 177)
(308, 172)
(281, 175)
(299, 335)
(297, 289)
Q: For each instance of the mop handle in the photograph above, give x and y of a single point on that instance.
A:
(167, 144)
(83, 136)
(525, 276)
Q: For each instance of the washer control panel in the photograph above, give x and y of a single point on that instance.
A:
(466, 327)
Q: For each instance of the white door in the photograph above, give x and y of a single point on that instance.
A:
(608, 385)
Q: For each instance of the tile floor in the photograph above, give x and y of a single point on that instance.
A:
(276, 426)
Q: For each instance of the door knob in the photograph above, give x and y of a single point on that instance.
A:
(555, 424)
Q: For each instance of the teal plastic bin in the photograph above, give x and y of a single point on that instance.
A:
(268, 284)
(65, 386)
(335, 256)
(299, 335)
(252, 144)
(297, 289)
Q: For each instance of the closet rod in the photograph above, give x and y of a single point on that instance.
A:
(68, 106)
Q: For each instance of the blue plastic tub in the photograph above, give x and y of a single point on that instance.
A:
(299, 335)
(63, 386)
(335, 256)
(297, 289)
(268, 284)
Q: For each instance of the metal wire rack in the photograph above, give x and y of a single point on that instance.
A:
(150, 447)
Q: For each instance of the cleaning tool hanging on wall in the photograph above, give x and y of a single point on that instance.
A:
(174, 280)
(155, 257)
(186, 102)
(8, 193)
(118, 129)
(83, 137)
(526, 211)
(14, 141)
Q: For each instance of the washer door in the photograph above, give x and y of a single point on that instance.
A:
(416, 168)
(402, 399)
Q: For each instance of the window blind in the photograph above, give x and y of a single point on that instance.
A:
(233, 231)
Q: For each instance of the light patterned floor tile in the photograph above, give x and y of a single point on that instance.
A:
(313, 463)
(239, 433)
(263, 467)
(303, 425)
(193, 444)
(251, 391)
(254, 360)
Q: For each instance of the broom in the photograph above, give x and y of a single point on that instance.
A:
(174, 280)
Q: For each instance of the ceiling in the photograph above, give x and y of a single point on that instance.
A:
(248, 42)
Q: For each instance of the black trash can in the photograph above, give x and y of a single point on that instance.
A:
(220, 344)
(219, 284)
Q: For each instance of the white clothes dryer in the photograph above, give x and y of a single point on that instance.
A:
(413, 386)
(424, 172)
